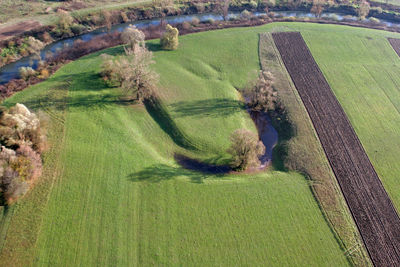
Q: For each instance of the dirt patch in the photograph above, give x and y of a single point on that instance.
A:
(370, 205)
(8, 32)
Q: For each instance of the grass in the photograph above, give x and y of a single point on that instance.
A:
(18, 10)
(112, 193)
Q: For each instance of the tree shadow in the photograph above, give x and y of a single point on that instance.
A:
(200, 166)
(161, 116)
(210, 107)
(87, 81)
(163, 172)
(87, 101)
(154, 47)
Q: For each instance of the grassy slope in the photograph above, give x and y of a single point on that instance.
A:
(121, 200)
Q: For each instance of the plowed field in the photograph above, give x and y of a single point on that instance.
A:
(395, 44)
(371, 207)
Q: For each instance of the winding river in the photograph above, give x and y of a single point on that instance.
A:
(11, 71)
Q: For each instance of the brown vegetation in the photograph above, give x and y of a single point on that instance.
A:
(22, 140)
(245, 149)
(370, 205)
(169, 39)
(132, 71)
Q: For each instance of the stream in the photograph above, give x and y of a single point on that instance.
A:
(11, 71)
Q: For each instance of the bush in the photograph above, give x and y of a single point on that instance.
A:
(133, 37)
(253, 4)
(77, 28)
(195, 21)
(374, 20)
(22, 141)
(34, 46)
(124, 17)
(65, 21)
(186, 25)
(363, 9)
(26, 73)
(245, 14)
(262, 96)
(199, 7)
(210, 21)
(245, 149)
(169, 40)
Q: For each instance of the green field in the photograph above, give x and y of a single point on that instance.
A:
(112, 193)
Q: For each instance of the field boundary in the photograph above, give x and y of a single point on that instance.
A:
(369, 203)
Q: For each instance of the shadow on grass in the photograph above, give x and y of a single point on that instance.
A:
(160, 115)
(163, 172)
(209, 107)
(193, 169)
(206, 167)
(87, 101)
(154, 47)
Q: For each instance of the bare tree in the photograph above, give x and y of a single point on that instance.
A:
(222, 8)
(262, 96)
(133, 37)
(363, 9)
(245, 149)
(131, 72)
(317, 7)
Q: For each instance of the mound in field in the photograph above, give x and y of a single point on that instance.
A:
(371, 207)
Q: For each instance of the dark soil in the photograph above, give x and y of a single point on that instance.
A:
(395, 44)
(369, 203)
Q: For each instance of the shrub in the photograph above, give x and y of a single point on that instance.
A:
(186, 25)
(245, 149)
(374, 20)
(44, 74)
(133, 37)
(169, 40)
(106, 18)
(317, 7)
(363, 9)
(21, 142)
(253, 4)
(26, 72)
(77, 28)
(199, 7)
(210, 21)
(245, 14)
(124, 17)
(262, 96)
(65, 21)
(195, 21)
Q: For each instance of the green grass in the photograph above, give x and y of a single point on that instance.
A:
(116, 196)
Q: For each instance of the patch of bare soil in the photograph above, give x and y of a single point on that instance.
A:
(369, 203)
(8, 32)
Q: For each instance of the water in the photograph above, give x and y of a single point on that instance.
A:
(267, 134)
(11, 71)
